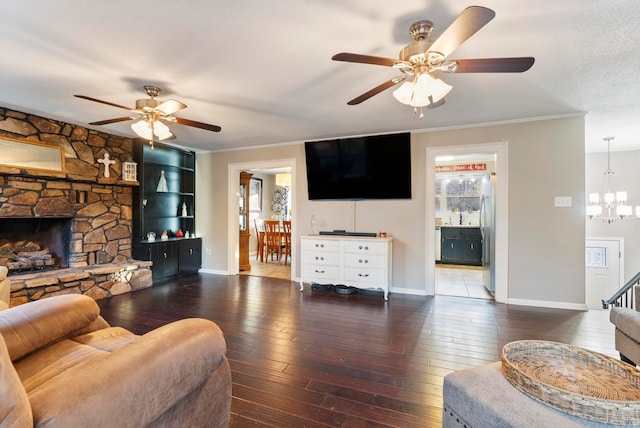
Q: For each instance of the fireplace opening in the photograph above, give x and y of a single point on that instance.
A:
(34, 244)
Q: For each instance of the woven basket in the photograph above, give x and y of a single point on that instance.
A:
(574, 380)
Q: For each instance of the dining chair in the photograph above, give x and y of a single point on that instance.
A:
(273, 239)
(286, 250)
(259, 225)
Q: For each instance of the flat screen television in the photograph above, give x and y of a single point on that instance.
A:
(370, 167)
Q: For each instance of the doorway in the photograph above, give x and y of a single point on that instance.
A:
(260, 169)
(499, 152)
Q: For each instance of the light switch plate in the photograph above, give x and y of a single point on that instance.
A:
(563, 201)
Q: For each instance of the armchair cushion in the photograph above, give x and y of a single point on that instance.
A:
(15, 410)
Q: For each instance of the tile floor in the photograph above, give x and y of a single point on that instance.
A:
(462, 281)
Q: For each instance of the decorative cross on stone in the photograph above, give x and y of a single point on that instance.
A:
(107, 162)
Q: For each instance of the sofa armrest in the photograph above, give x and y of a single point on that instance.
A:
(34, 325)
(135, 384)
(627, 321)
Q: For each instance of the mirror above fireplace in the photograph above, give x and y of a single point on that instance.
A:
(31, 155)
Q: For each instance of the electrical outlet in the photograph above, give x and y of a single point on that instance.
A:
(208, 251)
(562, 202)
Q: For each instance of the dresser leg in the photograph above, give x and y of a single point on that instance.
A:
(301, 286)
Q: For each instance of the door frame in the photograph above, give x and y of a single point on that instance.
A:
(233, 226)
(500, 149)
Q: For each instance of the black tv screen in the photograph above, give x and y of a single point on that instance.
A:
(371, 167)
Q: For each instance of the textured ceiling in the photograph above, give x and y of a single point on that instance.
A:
(262, 70)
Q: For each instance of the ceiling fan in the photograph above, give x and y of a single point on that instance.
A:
(151, 114)
(423, 59)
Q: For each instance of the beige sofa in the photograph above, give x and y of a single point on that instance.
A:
(62, 365)
(627, 322)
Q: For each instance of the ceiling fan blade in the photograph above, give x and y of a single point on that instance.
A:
(374, 91)
(171, 106)
(494, 65)
(102, 102)
(464, 26)
(108, 121)
(365, 59)
(182, 121)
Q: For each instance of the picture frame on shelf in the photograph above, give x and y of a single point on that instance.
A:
(255, 195)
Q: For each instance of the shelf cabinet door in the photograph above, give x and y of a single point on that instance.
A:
(164, 256)
(190, 255)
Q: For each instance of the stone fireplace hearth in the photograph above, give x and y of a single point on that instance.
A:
(79, 216)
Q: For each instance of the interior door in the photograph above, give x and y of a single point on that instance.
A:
(603, 270)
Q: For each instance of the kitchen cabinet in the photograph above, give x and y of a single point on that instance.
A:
(343, 260)
(461, 245)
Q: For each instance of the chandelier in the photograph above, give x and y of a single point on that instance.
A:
(613, 205)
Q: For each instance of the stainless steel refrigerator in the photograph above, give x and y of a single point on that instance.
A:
(488, 230)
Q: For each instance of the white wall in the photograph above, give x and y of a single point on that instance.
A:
(626, 177)
(546, 244)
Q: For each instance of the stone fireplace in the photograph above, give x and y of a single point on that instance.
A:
(79, 217)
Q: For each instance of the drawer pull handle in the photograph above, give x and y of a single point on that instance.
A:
(191, 251)
(364, 275)
(165, 255)
(319, 271)
(361, 247)
(365, 261)
(319, 258)
(319, 245)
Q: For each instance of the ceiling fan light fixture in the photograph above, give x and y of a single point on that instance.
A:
(142, 129)
(161, 130)
(404, 93)
(435, 88)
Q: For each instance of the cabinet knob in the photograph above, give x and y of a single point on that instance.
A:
(165, 255)
(191, 251)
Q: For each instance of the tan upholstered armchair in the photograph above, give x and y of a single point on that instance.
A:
(627, 322)
(62, 365)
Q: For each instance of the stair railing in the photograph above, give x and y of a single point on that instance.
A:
(623, 297)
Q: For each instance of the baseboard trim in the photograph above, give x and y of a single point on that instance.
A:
(214, 271)
(411, 291)
(548, 304)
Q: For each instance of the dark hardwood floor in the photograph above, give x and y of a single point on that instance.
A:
(320, 358)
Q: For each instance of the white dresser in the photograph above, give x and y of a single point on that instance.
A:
(360, 262)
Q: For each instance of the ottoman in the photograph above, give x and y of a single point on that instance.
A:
(482, 397)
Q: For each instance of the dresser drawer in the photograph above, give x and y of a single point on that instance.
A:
(320, 273)
(317, 257)
(321, 245)
(365, 247)
(364, 260)
(365, 275)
